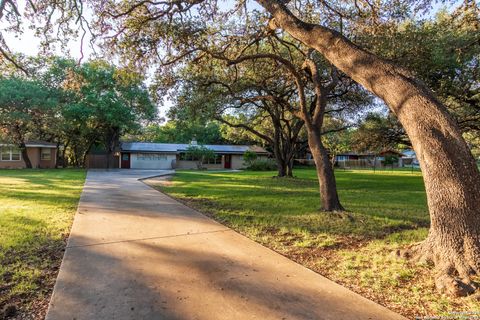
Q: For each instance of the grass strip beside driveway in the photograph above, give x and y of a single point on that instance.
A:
(36, 212)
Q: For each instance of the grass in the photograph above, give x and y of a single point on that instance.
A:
(36, 213)
(386, 211)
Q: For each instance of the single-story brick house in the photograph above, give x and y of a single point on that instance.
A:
(146, 155)
(42, 154)
(348, 159)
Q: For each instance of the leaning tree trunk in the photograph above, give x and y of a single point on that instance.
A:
(325, 173)
(452, 179)
(25, 157)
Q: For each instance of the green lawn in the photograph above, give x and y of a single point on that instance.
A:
(36, 212)
(386, 211)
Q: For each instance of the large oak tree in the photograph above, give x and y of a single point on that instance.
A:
(449, 170)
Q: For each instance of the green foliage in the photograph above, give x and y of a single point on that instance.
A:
(109, 97)
(377, 133)
(249, 157)
(336, 139)
(390, 160)
(200, 154)
(26, 108)
(237, 135)
(253, 163)
(74, 105)
(262, 165)
(444, 53)
(109, 100)
(175, 131)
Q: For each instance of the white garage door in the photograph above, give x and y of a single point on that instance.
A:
(152, 161)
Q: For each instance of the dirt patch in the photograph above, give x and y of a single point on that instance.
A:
(162, 181)
(32, 306)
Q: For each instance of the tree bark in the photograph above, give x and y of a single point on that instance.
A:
(290, 168)
(278, 152)
(326, 176)
(64, 151)
(281, 168)
(452, 179)
(112, 137)
(25, 157)
(314, 123)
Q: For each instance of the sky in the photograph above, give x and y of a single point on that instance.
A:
(28, 44)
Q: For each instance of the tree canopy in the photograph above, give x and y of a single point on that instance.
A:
(76, 106)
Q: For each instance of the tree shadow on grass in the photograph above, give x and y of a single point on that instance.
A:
(29, 267)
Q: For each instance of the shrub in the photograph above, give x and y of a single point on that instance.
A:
(200, 154)
(262, 165)
(390, 160)
(249, 157)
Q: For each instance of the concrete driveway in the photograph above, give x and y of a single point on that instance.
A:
(135, 253)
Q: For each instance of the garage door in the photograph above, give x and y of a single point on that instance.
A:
(151, 161)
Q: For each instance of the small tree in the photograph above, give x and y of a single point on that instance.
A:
(390, 160)
(250, 157)
(200, 154)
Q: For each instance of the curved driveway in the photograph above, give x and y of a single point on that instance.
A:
(135, 253)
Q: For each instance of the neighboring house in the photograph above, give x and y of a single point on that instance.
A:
(366, 159)
(354, 159)
(147, 155)
(41, 154)
(409, 159)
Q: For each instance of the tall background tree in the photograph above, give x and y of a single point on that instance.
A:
(109, 101)
(76, 106)
(181, 131)
(25, 108)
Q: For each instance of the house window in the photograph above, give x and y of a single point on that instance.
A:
(15, 154)
(188, 157)
(217, 159)
(10, 154)
(151, 156)
(5, 153)
(45, 154)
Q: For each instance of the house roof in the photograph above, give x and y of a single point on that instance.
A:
(351, 153)
(409, 153)
(180, 147)
(391, 151)
(34, 143)
(42, 144)
(369, 153)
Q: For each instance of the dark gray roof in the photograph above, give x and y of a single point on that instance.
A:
(179, 147)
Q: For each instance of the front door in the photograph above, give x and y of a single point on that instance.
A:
(125, 161)
(227, 161)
